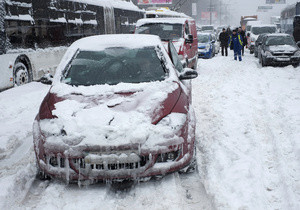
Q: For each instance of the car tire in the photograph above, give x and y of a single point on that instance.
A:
(295, 65)
(251, 51)
(263, 64)
(21, 74)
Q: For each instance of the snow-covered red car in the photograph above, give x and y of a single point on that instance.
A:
(118, 108)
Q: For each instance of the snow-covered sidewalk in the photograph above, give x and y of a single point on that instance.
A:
(249, 133)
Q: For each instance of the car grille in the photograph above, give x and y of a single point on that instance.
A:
(60, 162)
(283, 54)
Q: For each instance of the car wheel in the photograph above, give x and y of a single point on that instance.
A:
(251, 51)
(21, 74)
(295, 65)
(41, 175)
(263, 64)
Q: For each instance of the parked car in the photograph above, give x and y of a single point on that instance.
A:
(182, 32)
(117, 109)
(256, 30)
(206, 45)
(279, 49)
(258, 44)
(208, 29)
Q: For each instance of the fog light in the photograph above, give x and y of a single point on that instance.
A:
(167, 157)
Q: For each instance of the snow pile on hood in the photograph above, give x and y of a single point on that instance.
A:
(105, 117)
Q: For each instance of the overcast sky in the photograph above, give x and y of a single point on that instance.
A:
(249, 7)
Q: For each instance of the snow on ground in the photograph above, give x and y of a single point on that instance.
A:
(248, 147)
(249, 132)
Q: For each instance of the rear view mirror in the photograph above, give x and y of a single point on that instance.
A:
(190, 39)
(188, 74)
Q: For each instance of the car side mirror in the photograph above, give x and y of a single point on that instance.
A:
(47, 79)
(188, 74)
(298, 44)
(190, 38)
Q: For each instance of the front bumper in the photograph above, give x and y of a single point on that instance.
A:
(282, 60)
(59, 165)
(204, 54)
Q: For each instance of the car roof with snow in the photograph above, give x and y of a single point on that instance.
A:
(203, 33)
(263, 25)
(277, 34)
(161, 20)
(101, 42)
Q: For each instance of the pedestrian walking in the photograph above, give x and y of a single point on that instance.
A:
(235, 44)
(224, 38)
(243, 35)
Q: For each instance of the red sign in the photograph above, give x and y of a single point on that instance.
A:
(154, 1)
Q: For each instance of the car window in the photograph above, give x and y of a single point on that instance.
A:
(203, 38)
(174, 57)
(261, 30)
(113, 66)
(165, 31)
(279, 40)
(187, 30)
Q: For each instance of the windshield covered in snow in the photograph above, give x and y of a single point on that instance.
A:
(279, 40)
(114, 65)
(165, 31)
(203, 38)
(261, 30)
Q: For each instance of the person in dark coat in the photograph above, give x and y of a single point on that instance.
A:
(243, 35)
(296, 33)
(236, 44)
(224, 38)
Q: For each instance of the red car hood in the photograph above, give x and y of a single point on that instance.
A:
(110, 118)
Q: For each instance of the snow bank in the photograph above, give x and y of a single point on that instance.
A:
(248, 131)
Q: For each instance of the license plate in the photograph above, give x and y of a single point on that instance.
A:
(283, 59)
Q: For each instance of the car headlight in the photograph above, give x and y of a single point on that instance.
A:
(297, 53)
(207, 47)
(268, 53)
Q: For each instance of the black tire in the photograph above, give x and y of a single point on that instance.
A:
(251, 51)
(263, 64)
(21, 74)
(295, 65)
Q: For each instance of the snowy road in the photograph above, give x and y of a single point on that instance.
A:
(248, 147)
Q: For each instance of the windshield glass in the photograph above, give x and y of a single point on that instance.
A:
(261, 30)
(207, 28)
(279, 40)
(113, 66)
(164, 30)
(203, 38)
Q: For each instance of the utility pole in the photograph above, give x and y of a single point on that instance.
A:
(210, 14)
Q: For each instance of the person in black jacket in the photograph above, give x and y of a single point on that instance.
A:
(243, 35)
(224, 37)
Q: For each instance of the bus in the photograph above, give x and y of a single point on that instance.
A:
(290, 17)
(34, 34)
